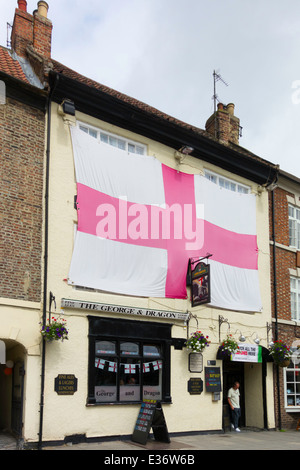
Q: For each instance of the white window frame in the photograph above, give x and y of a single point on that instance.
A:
(292, 388)
(295, 298)
(294, 227)
(115, 140)
(227, 183)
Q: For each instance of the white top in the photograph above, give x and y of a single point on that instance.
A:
(234, 396)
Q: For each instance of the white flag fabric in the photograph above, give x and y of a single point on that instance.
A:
(139, 223)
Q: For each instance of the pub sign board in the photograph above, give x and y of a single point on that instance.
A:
(195, 386)
(213, 379)
(195, 362)
(150, 416)
(200, 284)
(65, 384)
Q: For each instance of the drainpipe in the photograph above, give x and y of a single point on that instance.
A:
(46, 215)
(275, 303)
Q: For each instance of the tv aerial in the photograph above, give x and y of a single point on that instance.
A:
(217, 78)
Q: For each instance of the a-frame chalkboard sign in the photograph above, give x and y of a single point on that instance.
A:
(150, 415)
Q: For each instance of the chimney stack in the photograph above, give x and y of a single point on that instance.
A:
(42, 30)
(21, 34)
(224, 125)
(32, 30)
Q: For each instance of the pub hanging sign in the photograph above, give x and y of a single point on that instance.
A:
(199, 280)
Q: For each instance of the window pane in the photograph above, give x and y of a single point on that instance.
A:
(151, 350)
(104, 138)
(291, 400)
(129, 349)
(106, 379)
(105, 347)
(292, 232)
(290, 376)
(130, 389)
(131, 148)
(84, 129)
(93, 133)
(152, 380)
(211, 177)
(121, 144)
(113, 141)
(139, 150)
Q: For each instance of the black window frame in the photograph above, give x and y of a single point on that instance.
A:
(123, 330)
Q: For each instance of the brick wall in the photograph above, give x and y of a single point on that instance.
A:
(224, 125)
(22, 32)
(42, 33)
(22, 136)
(285, 260)
(288, 420)
(34, 30)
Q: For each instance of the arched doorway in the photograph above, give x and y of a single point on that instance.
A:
(12, 389)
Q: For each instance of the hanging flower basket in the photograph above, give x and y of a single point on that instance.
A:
(228, 346)
(281, 353)
(284, 363)
(55, 330)
(197, 342)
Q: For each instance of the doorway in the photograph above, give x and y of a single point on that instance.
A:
(17, 399)
(232, 372)
(12, 389)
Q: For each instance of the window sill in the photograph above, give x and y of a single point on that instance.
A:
(114, 403)
(292, 409)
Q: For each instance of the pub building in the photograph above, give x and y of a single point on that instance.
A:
(127, 338)
(152, 230)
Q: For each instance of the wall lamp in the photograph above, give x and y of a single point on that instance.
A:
(186, 150)
(257, 340)
(68, 107)
(242, 338)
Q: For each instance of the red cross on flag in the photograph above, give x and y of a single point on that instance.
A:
(112, 367)
(130, 368)
(140, 221)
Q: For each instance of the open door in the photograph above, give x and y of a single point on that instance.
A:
(232, 372)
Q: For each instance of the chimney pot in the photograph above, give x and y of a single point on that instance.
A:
(230, 108)
(22, 5)
(43, 8)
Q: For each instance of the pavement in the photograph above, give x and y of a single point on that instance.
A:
(181, 445)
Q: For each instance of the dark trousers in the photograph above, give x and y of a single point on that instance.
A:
(235, 416)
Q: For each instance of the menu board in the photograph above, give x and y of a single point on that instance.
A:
(150, 415)
(212, 379)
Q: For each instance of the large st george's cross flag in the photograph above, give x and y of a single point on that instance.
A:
(140, 221)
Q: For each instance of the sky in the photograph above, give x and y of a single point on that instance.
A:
(164, 53)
